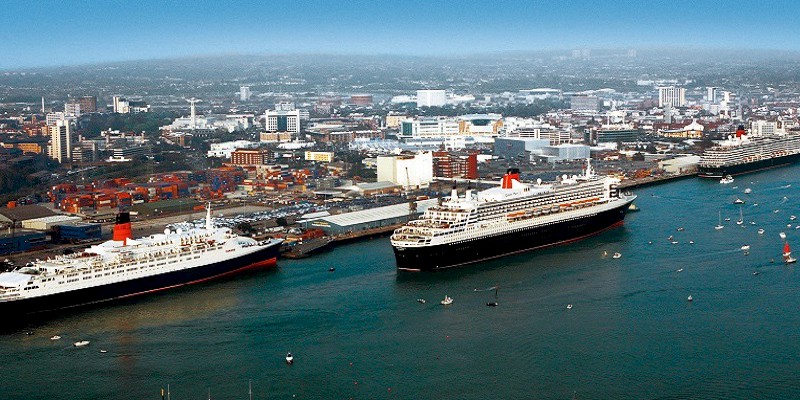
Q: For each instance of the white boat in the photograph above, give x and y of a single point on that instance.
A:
(761, 231)
(719, 225)
(726, 180)
(289, 358)
(741, 217)
(727, 219)
(680, 270)
(56, 337)
(674, 242)
(616, 255)
(782, 235)
(689, 298)
(746, 247)
(103, 351)
(569, 306)
(691, 242)
(447, 301)
(738, 201)
(792, 218)
(82, 343)
(748, 191)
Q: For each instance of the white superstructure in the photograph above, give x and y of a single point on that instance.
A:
(117, 261)
(515, 206)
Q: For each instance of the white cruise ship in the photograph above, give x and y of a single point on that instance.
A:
(744, 153)
(125, 267)
(513, 218)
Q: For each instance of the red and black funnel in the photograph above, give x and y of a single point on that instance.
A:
(122, 228)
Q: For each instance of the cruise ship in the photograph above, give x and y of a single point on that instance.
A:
(124, 267)
(744, 153)
(512, 218)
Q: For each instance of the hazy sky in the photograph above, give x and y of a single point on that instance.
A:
(39, 32)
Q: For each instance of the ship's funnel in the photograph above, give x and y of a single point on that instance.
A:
(122, 228)
(511, 174)
(740, 131)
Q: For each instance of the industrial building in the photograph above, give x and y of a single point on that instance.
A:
(365, 220)
(76, 232)
(19, 214)
(407, 170)
(13, 241)
(47, 223)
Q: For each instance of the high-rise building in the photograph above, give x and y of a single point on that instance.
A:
(88, 104)
(244, 93)
(711, 94)
(72, 108)
(282, 121)
(431, 98)
(61, 141)
(671, 96)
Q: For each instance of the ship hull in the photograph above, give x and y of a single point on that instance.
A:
(263, 258)
(438, 257)
(738, 169)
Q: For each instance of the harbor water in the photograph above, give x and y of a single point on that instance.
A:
(359, 331)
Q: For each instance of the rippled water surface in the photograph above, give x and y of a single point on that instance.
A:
(359, 332)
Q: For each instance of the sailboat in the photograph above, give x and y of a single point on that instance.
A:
(787, 254)
(741, 217)
(719, 225)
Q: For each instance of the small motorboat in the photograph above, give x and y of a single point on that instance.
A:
(792, 218)
(82, 343)
(726, 180)
(727, 219)
(616, 255)
(650, 242)
(56, 337)
(569, 306)
(761, 231)
(680, 229)
(748, 191)
(331, 269)
(689, 298)
(746, 247)
(755, 272)
(492, 304)
(447, 301)
(421, 301)
(103, 351)
(289, 358)
(680, 270)
(752, 222)
(674, 242)
(782, 235)
(691, 242)
(738, 201)
(605, 253)
(776, 211)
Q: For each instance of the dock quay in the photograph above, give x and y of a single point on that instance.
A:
(654, 180)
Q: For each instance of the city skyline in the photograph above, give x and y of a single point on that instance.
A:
(93, 32)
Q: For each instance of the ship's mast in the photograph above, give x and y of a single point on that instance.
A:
(209, 226)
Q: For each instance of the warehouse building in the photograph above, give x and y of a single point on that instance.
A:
(372, 218)
(21, 240)
(74, 232)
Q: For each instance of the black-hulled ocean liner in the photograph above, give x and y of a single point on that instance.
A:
(744, 153)
(125, 267)
(513, 218)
